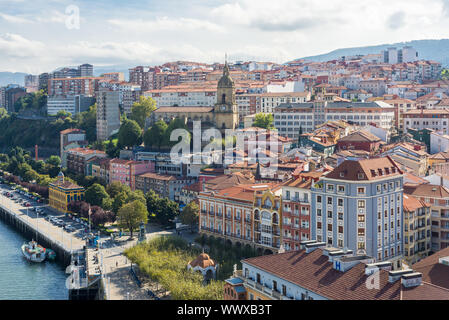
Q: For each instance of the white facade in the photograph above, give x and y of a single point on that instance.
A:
(289, 86)
(439, 142)
(183, 98)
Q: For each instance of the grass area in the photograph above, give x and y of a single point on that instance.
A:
(164, 259)
(226, 254)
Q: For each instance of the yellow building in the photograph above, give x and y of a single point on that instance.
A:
(417, 229)
(61, 192)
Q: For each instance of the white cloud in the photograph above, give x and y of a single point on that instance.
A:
(279, 31)
(166, 23)
(16, 46)
(14, 19)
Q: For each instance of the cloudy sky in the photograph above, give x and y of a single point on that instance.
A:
(38, 36)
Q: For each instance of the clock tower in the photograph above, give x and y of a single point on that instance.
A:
(225, 110)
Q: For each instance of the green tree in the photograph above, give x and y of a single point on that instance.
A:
(154, 136)
(54, 161)
(173, 125)
(263, 120)
(130, 133)
(142, 109)
(3, 113)
(95, 194)
(87, 120)
(131, 215)
(190, 214)
(116, 187)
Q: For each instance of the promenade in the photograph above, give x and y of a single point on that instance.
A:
(57, 235)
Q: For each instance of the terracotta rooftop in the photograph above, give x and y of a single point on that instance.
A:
(411, 203)
(361, 135)
(366, 169)
(427, 190)
(434, 272)
(313, 271)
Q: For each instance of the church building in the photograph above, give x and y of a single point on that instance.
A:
(224, 115)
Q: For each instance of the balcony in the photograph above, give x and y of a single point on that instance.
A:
(248, 220)
(228, 217)
(238, 218)
(211, 213)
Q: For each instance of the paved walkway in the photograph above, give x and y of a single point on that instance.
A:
(53, 232)
(120, 284)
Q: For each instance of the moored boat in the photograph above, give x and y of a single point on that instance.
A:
(51, 255)
(33, 252)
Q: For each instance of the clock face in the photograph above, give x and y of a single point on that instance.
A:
(223, 108)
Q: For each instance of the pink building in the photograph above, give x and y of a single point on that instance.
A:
(125, 171)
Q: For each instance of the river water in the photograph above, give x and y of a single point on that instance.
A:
(24, 280)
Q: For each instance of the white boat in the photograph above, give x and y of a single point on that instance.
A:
(33, 251)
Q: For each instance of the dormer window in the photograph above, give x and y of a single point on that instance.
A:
(360, 175)
(380, 171)
(387, 171)
(373, 173)
(342, 174)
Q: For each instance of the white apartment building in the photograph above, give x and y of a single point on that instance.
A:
(288, 118)
(427, 119)
(269, 100)
(69, 103)
(183, 97)
(439, 142)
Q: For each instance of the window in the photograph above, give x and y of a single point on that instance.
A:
(318, 212)
(361, 190)
(361, 203)
(340, 229)
(340, 202)
(318, 199)
(329, 214)
(341, 188)
(329, 200)
(361, 232)
(330, 187)
(329, 227)
(361, 218)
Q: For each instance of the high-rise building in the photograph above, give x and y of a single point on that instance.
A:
(86, 70)
(358, 206)
(12, 94)
(108, 113)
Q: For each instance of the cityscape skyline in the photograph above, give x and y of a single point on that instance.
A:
(150, 32)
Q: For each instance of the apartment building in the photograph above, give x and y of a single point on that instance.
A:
(358, 206)
(427, 119)
(375, 86)
(73, 86)
(69, 103)
(319, 273)
(70, 139)
(417, 229)
(270, 100)
(108, 113)
(125, 171)
(165, 186)
(296, 197)
(245, 214)
(438, 197)
(288, 118)
(77, 159)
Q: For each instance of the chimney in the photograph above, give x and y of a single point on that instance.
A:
(413, 279)
(374, 267)
(393, 276)
(312, 246)
(302, 245)
(345, 263)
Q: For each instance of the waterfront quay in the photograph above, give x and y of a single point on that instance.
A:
(35, 227)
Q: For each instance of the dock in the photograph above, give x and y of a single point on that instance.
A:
(44, 232)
